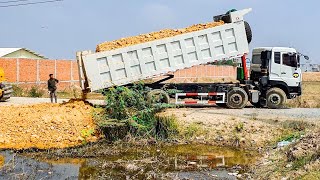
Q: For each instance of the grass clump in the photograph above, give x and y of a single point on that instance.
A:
(17, 91)
(239, 127)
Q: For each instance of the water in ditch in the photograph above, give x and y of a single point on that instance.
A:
(150, 162)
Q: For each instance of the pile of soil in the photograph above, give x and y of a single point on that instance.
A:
(129, 41)
(45, 126)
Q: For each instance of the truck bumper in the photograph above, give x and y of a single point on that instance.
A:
(295, 91)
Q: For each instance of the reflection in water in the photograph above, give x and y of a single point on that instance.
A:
(204, 162)
(137, 163)
(18, 167)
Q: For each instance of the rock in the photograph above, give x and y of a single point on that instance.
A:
(200, 138)
(288, 166)
(232, 174)
(131, 167)
(192, 163)
(219, 138)
(80, 139)
(152, 141)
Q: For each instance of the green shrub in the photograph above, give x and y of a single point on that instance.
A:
(129, 105)
(35, 91)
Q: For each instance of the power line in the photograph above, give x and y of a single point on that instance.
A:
(30, 3)
(5, 2)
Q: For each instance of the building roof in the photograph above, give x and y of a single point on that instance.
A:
(6, 51)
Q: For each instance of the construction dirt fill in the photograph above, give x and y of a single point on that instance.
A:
(45, 126)
(129, 41)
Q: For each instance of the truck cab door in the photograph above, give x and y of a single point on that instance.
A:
(290, 73)
(275, 67)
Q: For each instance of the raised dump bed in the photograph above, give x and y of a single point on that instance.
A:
(137, 62)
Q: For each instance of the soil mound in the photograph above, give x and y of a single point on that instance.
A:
(45, 126)
(129, 41)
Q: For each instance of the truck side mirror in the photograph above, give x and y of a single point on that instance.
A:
(306, 57)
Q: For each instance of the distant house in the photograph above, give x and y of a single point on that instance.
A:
(310, 67)
(19, 53)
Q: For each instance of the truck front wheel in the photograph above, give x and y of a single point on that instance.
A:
(237, 98)
(276, 98)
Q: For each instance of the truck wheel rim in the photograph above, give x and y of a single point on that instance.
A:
(236, 99)
(275, 99)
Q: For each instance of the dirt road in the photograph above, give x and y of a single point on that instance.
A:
(250, 113)
(29, 101)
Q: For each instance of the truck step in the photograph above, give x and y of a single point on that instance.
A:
(201, 95)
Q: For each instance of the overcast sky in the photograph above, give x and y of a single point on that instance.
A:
(58, 30)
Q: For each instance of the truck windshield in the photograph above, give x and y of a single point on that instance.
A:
(290, 60)
(256, 59)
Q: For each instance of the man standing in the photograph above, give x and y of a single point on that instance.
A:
(52, 87)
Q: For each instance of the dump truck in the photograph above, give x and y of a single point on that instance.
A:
(272, 80)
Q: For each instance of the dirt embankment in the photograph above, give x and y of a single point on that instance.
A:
(46, 125)
(246, 128)
(300, 160)
(129, 41)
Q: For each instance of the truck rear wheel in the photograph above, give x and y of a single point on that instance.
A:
(276, 98)
(237, 98)
(157, 96)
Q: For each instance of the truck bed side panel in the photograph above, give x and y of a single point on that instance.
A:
(137, 62)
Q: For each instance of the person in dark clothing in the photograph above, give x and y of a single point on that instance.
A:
(52, 87)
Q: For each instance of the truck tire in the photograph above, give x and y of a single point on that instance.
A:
(276, 98)
(248, 31)
(237, 98)
(157, 96)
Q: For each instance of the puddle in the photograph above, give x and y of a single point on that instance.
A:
(176, 161)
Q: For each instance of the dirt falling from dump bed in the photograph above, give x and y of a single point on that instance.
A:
(128, 41)
(45, 126)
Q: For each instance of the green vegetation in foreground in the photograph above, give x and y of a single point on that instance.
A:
(127, 111)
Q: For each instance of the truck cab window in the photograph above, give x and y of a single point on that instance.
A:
(289, 60)
(256, 59)
(277, 57)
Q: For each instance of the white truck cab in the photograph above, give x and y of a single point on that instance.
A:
(283, 69)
